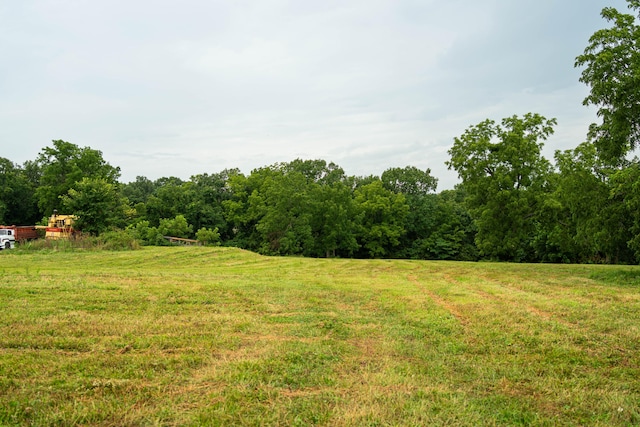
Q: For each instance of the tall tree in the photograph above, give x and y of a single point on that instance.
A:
(285, 223)
(244, 208)
(65, 164)
(409, 181)
(586, 219)
(611, 64)
(168, 200)
(505, 178)
(98, 205)
(317, 171)
(207, 192)
(416, 186)
(333, 220)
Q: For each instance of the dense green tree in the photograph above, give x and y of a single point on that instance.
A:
(244, 208)
(580, 196)
(146, 234)
(302, 207)
(97, 204)
(169, 199)
(453, 236)
(333, 220)
(65, 164)
(206, 194)
(175, 227)
(439, 226)
(208, 236)
(361, 181)
(416, 185)
(329, 207)
(506, 179)
(625, 191)
(554, 230)
(611, 64)
(409, 181)
(139, 190)
(318, 171)
(17, 195)
(285, 220)
(591, 210)
(381, 219)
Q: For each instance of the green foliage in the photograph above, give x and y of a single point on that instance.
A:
(207, 192)
(381, 216)
(208, 236)
(610, 68)
(297, 208)
(17, 200)
(579, 197)
(118, 240)
(317, 171)
(284, 220)
(243, 220)
(333, 220)
(506, 180)
(439, 226)
(409, 181)
(511, 205)
(175, 227)
(592, 208)
(64, 165)
(168, 200)
(146, 234)
(139, 190)
(611, 62)
(625, 193)
(97, 204)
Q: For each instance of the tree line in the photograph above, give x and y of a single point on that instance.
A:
(303, 207)
(512, 204)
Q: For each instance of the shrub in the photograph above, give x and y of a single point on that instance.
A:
(118, 240)
(146, 234)
(176, 227)
(207, 236)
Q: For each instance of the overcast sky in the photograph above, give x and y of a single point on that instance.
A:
(178, 88)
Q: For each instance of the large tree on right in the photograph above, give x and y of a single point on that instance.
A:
(611, 69)
(506, 180)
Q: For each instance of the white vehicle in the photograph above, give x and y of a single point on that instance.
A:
(7, 238)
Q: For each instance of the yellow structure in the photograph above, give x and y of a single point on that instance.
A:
(60, 226)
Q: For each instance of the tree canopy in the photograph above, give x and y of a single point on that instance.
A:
(504, 176)
(610, 68)
(65, 164)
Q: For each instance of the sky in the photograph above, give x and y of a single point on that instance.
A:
(178, 88)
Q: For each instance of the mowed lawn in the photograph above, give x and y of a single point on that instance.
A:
(219, 336)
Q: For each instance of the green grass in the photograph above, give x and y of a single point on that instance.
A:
(213, 336)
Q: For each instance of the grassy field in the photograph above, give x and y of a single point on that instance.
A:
(215, 336)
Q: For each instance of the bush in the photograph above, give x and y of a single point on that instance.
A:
(146, 234)
(110, 240)
(118, 240)
(175, 227)
(207, 236)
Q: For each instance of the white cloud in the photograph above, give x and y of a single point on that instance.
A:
(181, 88)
